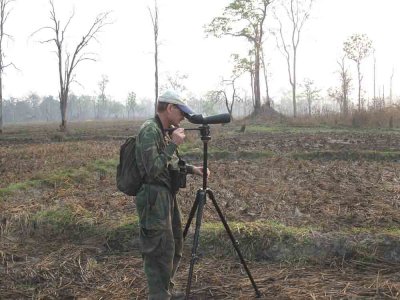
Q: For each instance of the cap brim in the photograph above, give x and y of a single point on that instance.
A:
(186, 109)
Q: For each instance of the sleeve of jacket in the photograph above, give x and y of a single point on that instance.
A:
(151, 155)
(189, 169)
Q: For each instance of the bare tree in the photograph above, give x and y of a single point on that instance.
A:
(357, 47)
(341, 93)
(4, 13)
(311, 93)
(298, 13)
(154, 20)
(391, 87)
(67, 61)
(131, 103)
(221, 95)
(245, 18)
(345, 81)
(373, 53)
(102, 98)
(176, 82)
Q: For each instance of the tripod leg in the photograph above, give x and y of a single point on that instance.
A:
(234, 242)
(191, 215)
(200, 200)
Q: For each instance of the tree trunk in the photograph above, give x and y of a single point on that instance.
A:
(252, 88)
(63, 109)
(268, 103)
(154, 20)
(345, 87)
(294, 100)
(294, 85)
(359, 86)
(1, 104)
(156, 77)
(391, 88)
(257, 95)
(374, 76)
(345, 104)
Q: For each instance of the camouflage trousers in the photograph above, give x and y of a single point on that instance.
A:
(160, 238)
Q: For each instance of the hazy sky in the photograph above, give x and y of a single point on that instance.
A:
(125, 51)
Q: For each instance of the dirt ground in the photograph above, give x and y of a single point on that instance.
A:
(58, 194)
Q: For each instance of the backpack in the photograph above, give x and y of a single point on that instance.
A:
(128, 177)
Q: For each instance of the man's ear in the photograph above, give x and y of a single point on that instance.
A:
(169, 107)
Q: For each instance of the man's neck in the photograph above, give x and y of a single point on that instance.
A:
(164, 120)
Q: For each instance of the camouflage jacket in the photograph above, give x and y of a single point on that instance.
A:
(155, 153)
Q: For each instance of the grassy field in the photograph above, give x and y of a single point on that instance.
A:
(316, 211)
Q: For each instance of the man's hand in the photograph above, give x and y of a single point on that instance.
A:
(178, 136)
(199, 171)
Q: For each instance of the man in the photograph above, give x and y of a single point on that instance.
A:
(159, 214)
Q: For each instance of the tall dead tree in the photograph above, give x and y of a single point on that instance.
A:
(298, 13)
(4, 13)
(154, 20)
(68, 61)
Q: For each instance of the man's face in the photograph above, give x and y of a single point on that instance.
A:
(175, 115)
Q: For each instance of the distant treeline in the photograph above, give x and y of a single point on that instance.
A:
(35, 108)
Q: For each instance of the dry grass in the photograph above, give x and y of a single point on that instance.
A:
(83, 272)
(385, 118)
(65, 232)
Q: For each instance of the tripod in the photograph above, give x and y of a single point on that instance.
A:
(198, 206)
